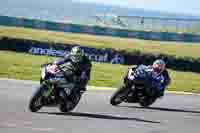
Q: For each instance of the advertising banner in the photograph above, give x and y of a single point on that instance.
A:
(60, 50)
(93, 54)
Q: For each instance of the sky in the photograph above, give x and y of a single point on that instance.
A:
(171, 6)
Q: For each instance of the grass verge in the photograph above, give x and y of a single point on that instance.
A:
(178, 49)
(26, 67)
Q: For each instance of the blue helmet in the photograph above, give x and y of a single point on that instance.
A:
(158, 66)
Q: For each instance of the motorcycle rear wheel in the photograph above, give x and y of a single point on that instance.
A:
(70, 104)
(146, 102)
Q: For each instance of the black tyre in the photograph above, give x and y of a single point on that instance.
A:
(119, 96)
(35, 102)
(70, 104)
(146, 102)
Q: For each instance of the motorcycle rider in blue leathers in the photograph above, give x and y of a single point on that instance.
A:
(160, 76)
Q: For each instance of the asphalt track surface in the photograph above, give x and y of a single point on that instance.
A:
(171, 114)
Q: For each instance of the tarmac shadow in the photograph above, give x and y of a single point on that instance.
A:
(99, 116)
(163, 109)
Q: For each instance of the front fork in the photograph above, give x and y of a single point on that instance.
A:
(49, 87)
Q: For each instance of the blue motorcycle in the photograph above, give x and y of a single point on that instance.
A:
(138, 87)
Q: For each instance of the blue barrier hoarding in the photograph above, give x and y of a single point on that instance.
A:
(97, 55)
(28, 23)
(155, 36)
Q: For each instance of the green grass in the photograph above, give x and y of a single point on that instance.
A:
(25, 66)
(177, 49)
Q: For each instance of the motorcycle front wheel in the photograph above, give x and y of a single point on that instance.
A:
(119, 96)
(35, 102)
